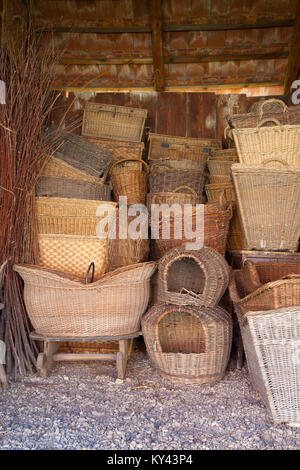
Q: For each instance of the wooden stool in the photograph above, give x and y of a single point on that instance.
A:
(50, 355)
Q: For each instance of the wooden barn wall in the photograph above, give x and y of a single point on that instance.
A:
(178, 114)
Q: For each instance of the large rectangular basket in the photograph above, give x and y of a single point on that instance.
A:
(60, 305)
(268, 201)
(180, 148)
(73, 253)
(57, 186)
(113, 122)
(56, 167)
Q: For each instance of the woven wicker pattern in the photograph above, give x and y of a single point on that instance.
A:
(54, 206)
(180, 148)
(87, 157)
(113, 122)
(73, 253)
(58, 168)
(166, 164)
(129, 182)
(219, 167)
(59, 305)
(235, 239)
(55, 186)
(272, 105)
(225, 154)
(288, 115)
(268, 200)
(188, 345)
(178, 196)
(197, 277)
(216, 226)
(215, 191)
(121, 150)
(269, 272)
(166, 179)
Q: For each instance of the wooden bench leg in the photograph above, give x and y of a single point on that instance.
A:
(122, 357)
(45, 361)
(3, 380)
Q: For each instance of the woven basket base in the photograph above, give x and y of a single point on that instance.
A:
(192, 380)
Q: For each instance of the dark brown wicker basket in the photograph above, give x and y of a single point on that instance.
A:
(165, 179)
(188, 345)
(192, 277)
(51, 186)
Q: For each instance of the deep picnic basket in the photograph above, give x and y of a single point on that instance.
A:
(188, 345)
(268, 201)
(192, 277)
(61, 305)
(113, 122)
(129, 182)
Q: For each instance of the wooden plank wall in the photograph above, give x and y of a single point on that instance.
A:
(178, 114)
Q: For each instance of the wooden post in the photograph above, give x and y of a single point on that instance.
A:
(157, 45)
(293, 66)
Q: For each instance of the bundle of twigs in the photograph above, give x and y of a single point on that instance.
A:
(28, 77)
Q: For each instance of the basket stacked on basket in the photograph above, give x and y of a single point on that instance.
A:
(267, 303)
(188, 337)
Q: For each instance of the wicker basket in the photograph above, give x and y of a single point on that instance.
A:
(164, 179)
(129, 182)
(177, 164)
(113, 122)
(219, 167)
(287, 115)
(59, 305)
(197, 277)
(220, 179)
(216, 226)
(56, 186)
(188, 345)
(225, 154)
(73, 253)
(126, 251)
(268, 201)
(215, 191)
(238, 258)
(83, 155)
(181, 195)
(179, 148)
(235, 239)
(55, 167)
(70, 216)
(272, 105)
(121, 150)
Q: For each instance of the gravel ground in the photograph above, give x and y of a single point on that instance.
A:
(84, 406)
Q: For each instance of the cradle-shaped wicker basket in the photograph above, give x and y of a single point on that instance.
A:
(180, 148)
(61, 305)
(188, 345)
(192, 277)
(268, 201)
(216, 226)
(56, 186)
(113, 122)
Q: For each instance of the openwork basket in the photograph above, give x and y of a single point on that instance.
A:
(188, 345)
(216, 226)
(165, 179)
(195, 277)
(129, 182)
(73, 253)
(268, 201)
(56, 186)
(126, 251)
(61, 305)
(113, 122)
(180, 148)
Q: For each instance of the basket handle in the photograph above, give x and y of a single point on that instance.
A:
(273, 100)
(271, 119)
(269, 160)
(185, 187)
(91, 266)
(251, 268)
(158, 166)
(130, 160)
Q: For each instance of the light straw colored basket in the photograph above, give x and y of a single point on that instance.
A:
(73, 253)
(58, 168)
(215, 191)
(219, 167)
(268, 201)
(129, 182)
(113, 122)
(59, 305)
(225, 154)
(188, 345)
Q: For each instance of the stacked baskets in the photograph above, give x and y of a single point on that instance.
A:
(188, 338)
(266, 293)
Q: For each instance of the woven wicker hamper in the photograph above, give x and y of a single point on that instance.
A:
(129, 182)
(164, 179)
(268, 201)
(56, 186)
(188, 345)
(192, 277)
(62, 305)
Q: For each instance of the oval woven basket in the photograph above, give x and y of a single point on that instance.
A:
(188, 345)
(129, 182)
(216, 226)
(56, 186)
(192, 277)
(164, 180)
(61, 305)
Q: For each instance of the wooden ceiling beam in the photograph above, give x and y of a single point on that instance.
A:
(157, 45)
(293, 67)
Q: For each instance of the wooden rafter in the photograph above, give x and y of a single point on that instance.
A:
(293, 66)
(157, 45)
